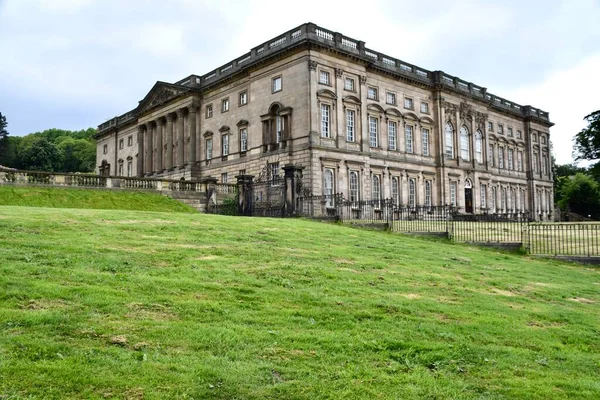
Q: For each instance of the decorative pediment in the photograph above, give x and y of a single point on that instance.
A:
(160, 93)
(242, 122)
(427, 121)
(393, 112)
(351, 99)
(410, 115)
(224, 128)
(375, 108)
(208, 134)
(326, 93)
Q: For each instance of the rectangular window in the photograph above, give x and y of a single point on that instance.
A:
(350, 125)
(408, 103)
(395, 191)
(243, 98)
(276, 84)
(535, 163)
(278, 128)
(392, 134)
(372, 93)
(428, 193)
(129, 168)
(243, 139)
(349, 84)
(121, 143)
(490, 126)
(328, 186)
(500, 157)
(519, 134)
(425, 108)
(274, 171)
(510, 132)
(545, 164)
(483, 192)
(522, 195)
(105, 149)
(209, 148)
(224, 177)
(519, 161)
(408, 132)
(510, 159)
(425, 139)
(225, 145)
(224, 105)
(209, 111)
(390, 98)
(453, 194)
(491, 155)
(503, 199)
(354, 194)
(376, 187)
(412, 198)
(121, 169)
(130, 141)
(493, 200)
(373, 137)
(325, 132)
(324, 77)
(500, 129)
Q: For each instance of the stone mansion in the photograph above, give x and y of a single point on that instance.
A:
(360, 123)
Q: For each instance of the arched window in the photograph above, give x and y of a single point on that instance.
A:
(464, 143)
(428, 193)
(328, 187)
(395, 191)
(449, 133)
(354, 194)
(276, 127)
(479, 147)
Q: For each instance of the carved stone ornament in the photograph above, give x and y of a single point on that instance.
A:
(162, 96)
(339, 72)
(480, 119)
(466, 111)
(450, 108)
(312, 65)
(363, 79)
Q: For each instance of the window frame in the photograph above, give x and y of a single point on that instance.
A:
(373, 135)
(426, 110)
(121, 144)
(327, 75)
(375, 91)
(412, 192)
(390, 95)
(409, 139)
(274, 81)
(449, 144)
(129, 141)
(350, 123)
(410, 101)
(243, 98)
(225, 105)
(479, 147)
(465, 151)
(352, 85)
(483, 196)
(425, 141)
(225, 145)
(328, 192)
(243, 141)
(395, 190)
(209, 148)
(325, 114)
(354, 180)
(209, 111)
(392, 144)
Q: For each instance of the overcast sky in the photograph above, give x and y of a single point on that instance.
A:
(73, 64)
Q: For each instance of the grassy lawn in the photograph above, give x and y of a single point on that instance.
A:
(132, 305)
(31, 196)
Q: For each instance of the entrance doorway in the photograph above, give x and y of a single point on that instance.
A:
(468, 196)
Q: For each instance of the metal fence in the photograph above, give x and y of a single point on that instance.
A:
(421, 219)
(564, 239)
(488, 228)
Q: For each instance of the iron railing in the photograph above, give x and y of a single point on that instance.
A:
(488, 228)
(421, 219)
(564, 239)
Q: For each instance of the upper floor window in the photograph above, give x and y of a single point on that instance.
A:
(510, 159)
(479, 147)
(395, 191)
(491, 155)
(519, 134)
(425, 107)
(490, 126)
(408, 103)
(350, 117)
(209, 148)
(105, 149)
(392, 134)
(278, 128)
(376, 188)
(519, 161)
(464, 143)
(225, 145)
(408, 132)
(390, 98)
(428, 193)
(412, 195)
(543, 139)
(209, 111)
(425, 139)
(510, 132)
(534, 137)
(276, 84)
(500, 129)
(121, 143)
(500, 157)
(243, 98)
(224, 177)
(324, 77)
(483, 192)
(373, 136)
(130, 141)
(325, 131)
(243, 139)
(449, 139)
(225, 105)
(129, 168)
(372, 93)
(349, 84)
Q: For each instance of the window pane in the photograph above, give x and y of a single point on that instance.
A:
(373, 138)
(350, 125)
(325, 120)
(425, 139)
(392, 134)
(408, 131)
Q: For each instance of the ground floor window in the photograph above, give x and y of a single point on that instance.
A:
(453, 194)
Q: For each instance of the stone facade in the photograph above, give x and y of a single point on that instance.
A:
(360, 123)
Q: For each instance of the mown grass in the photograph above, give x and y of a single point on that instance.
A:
(121, 304)
(32, 196)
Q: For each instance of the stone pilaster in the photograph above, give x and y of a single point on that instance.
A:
(159, 145)
(192, 131)
(169, 163)
(180, 137)
(140, 158)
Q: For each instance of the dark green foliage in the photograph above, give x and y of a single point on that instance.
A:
(3, 138)
(54, 150)
(587, 142)
(580, 194)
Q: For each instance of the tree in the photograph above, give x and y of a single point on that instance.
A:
(39, 154)
(580, 194)
(76, 155)
(587, 142)
(3, 139)
(3, 125)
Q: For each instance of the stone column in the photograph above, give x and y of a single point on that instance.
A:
(192, 129)
(148, 145)
(159, 166)
(140, 159)
(180, 137)
(291, 175)
(169, 163)
(244, 187)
